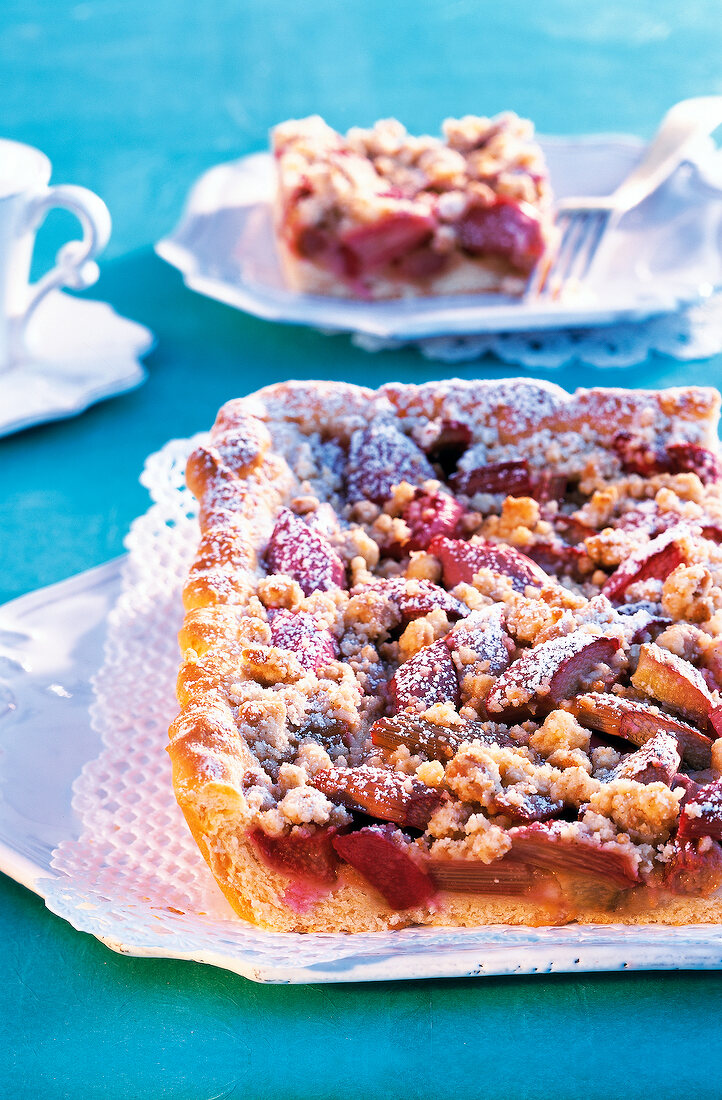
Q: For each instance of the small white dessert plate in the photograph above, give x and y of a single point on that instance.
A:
(665, 254)
(79, 351)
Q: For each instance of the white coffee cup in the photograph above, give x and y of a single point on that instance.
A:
(25, 198)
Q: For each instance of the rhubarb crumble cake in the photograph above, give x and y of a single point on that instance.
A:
(382, 214)
(452, 655)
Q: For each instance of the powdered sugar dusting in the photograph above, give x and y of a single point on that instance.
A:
(531, 676)
(304, 554)
(380, 457)
(658, 760)
(484, 634)
(428, 678)
(305, 636)
(413, 597)
(397, 647)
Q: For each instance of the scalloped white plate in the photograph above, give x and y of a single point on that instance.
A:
(665, 254)
(79, 351)
(50, 647)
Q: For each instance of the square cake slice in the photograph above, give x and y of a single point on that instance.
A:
(452, 655)
(382, 214)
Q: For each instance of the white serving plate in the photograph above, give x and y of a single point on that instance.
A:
(50, 646)
(665, 254)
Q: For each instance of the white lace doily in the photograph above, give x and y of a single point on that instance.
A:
(692, 333)
(135, 878)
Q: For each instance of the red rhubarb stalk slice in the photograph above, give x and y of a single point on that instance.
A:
(695, 867)
(462, 560)
(306, 852)
(553, 671)
(702, 814)
(546, 845)
(384, 241)
(469, 876)
(428, 516)
(688, 785)
(638, 722)
(428, 677)
(547, 486)
(512, 478)
(572, 671)
(715, 720)
(527, 808)
(713, 532)
(304, 554)
(324, 248)
(637, 457)
(484, 636)
(384, 860)
(436, 742)
(413, 598)
(506, 228)
(658, 761)
(380, 793)
(421, 264)
(656, 561)
(381, 456)
(691, 458)
(557, 559)
(674, 682)
(302, 634)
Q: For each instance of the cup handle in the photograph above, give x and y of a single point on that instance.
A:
(75, 262)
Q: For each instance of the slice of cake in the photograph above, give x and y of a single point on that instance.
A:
(453, 655)
(381, 214)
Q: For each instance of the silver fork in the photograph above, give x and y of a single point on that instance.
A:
(582, 222)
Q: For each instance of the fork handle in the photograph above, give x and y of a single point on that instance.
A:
(683, 124)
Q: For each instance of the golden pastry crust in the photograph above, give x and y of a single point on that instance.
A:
(263, 728)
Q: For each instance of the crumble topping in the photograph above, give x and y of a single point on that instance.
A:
(562, 741)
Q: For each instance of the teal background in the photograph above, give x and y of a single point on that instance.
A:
(135, 100)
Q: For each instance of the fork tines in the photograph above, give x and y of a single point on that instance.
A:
(581, 232)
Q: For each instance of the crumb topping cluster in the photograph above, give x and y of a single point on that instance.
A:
(477, 158)
(530, 676)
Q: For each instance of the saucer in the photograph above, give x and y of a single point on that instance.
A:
(78, 351)
(664, 254)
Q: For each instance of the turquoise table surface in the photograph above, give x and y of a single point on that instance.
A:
(135, 100)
